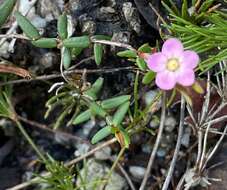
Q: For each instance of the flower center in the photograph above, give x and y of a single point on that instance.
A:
(172, 64)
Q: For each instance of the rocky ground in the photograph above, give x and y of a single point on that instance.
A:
(132, 22)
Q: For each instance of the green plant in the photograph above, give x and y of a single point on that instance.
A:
(202, 28)
(81, 102)
(70, 46)
(61, 177)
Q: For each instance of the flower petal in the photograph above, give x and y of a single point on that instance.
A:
(156, 62)
(165, 80)
(186, 77)
(190, 59)
(172, 48)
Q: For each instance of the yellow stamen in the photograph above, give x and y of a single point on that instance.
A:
(173, 64)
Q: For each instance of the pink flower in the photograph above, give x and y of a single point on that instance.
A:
(173, 65)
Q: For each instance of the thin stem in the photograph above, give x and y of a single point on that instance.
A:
(200, 139)
(53, 76)
(111, 43)
(203, 155)
(126, 176)
(114, 164)
(157, 142)
(30, 141)
(216, 147)
(178, 145)
(18, 36)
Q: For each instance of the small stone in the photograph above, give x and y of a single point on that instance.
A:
(50, 10)
(150, 96)
(185, 140)
(170, 124)
(137, 171)
(87, 127)
(146, 148)
(35, 19)
(61, 138)
(88, 27)
(123, 37)
(107, 10)
(103, 154)
(132, 16)
(82, 148)
(95, 171)
(161, 152)
(38, 22)
(47, 60)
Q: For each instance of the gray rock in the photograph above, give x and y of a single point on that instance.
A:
(82, 148)
(35, 19)
(161, 152)
(50, 10)
(107, 10)
(150, 96)
(103, 154)
(185, 141)
(170, 124)
(85, 130)
(132, 16)
(123, 37)
(94, 173)
(47, 60)
(137, 171)
(88, 27)
(87, 127)
(146, 148)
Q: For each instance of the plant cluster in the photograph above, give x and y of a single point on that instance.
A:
(196, 42)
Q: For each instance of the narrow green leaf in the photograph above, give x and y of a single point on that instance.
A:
(101, 134)
(82, 117)
(136, 95)
(205, 6)
(96, 86)
(120, 113)
(115, 102)
(127, 53)
(148, 77)
(62, 26)
(145, 48)
(66, 58)
(141, 63)
(76, 51)
(184, 9)
(75, 42)
(167, 7)
(97, 109)
(194, 2)
(98, 53)
(45, 43)
(174, 7)
(28, 28)
(5, 10)
(101, 37)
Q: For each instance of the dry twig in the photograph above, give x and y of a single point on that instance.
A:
(177, 149)
(157, 142)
